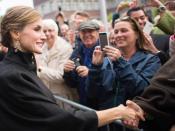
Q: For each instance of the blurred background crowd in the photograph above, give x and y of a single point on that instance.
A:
(141, 36)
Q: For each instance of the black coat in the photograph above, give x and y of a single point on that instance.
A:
(1, 55)
(27, 105)
(162, 43)
(158, 100)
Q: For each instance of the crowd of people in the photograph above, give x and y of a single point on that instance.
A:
(130, 79)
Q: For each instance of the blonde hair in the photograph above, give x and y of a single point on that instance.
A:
(15, 19)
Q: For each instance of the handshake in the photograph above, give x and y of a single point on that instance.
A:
(136, 114)
(130, 115)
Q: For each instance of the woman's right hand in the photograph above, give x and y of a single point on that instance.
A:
(129, 116)
(117, 113)
(98, 56)
(126, 113)
(139, 114)
(69, 66)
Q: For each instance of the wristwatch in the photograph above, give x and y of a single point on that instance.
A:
(162, 8)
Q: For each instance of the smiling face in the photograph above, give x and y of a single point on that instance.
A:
(32, 38)
(51, 35)
(89, 37)
(125, 36)
(140, 17)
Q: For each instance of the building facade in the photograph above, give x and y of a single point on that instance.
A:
(49, 8)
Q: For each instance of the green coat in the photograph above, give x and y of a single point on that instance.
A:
(166, 22)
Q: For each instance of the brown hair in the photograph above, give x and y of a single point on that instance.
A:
(60, 14)
(141, 41)
(15, 19)
(82, 13)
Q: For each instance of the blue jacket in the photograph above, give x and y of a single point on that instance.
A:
(112, 84)
(72, 78)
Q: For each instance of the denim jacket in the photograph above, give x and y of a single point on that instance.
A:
(113, 83)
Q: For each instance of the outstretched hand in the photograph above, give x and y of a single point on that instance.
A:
(139, 114)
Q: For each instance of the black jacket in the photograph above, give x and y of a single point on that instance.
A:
(162, 43)
(27, 105)
(1, 55)
(158, 100)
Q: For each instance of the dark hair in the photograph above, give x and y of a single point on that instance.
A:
(135, 9)
(115, 16)
(60, 14)
(82, 13)
(141, 41)
(148, 13)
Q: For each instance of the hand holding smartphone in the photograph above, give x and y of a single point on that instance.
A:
(76, 62)
(103, 37)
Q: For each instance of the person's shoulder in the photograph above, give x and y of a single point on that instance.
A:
(60, 39)
(144, 56)
(63, 43)
(149, 55)
(9, 70)
(153, 58)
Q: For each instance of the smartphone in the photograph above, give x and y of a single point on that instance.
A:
(103, 37)
(148, 27)
(76, 61)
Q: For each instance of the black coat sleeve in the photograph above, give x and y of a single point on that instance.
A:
(27, 105)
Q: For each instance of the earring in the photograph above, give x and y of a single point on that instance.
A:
(17, 45)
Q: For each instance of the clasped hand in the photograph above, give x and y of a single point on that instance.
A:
(129, 114)
(139, 115)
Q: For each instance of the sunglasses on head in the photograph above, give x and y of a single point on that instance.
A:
(125, 18)
(128, 19)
